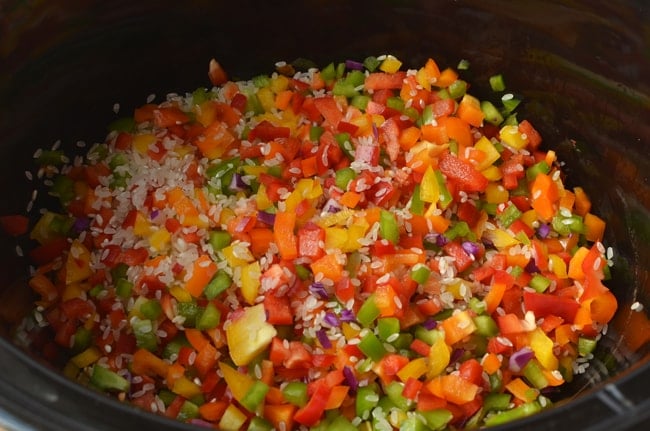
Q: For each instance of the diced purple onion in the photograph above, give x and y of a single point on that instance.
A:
(471, 248)
(430, 324)
(353, 65)
(437, 239)
(543, 230)
(266, 217)
(237, 183)
(331, 319)
(350, 379)
(520, 358)
(317, 288)
(441, 240)
(347, 316)
(375, 131)
(323, 339)
(201, 423)
(456, 355)
(81, 224)
(487, 243)
(531, 267)
(332, 206)
(154, 214)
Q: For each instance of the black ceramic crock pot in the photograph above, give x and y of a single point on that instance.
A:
(582, 66)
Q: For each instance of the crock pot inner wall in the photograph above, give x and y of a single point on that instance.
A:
(74, 61)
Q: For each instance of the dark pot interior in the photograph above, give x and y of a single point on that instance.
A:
(582, 67)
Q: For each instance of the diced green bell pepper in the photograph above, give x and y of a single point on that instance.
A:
(108, 380)
(219, 283)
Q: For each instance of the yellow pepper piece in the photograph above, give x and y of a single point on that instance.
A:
(511, 136)
(500, 238)
(180, 294)
(429, 188)
(491, 154)
(87, 357)
(496, 194)
(279, 83)
(390, 64)
(142, 142)
(249, 335)
(250, 281)
(186, 388)
(542, 345)
(233, 419)
(267, 98)
(439, 357)
(414, 369)
(238, 383)
(336, 237)
(77, 265)
(558, 265)
(237, 255)
(159, 240)
(141, 227)
(492, 173)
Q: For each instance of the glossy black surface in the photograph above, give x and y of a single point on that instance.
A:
(582, 66)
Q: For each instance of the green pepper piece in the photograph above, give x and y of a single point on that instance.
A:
(368, 311)
(341, 423)
(51, 158)
(63, 188)
(303, 272)
(427, 115)
(119, 271)
(538, 168)
(209, 317)
(539, 283)
(510, 103)
(190, 311)
(496, 382)
(261, 81)
(387, 327)
(485, 325)
(477, 306)
(254, 105)
(458, 229)
(420, 274)
(497, 83)
(496, 401)
(188, 411)
(417, 204)
(509, 215)
(151, 309)
(200, 96)
(367, 398)
(328, 73)
(388, 228)
(514, 414)
(255, 395)
(355, 78)
(259, 424)
(457, 89)
(445, 197)
(220, 282)
(492, 114)
(296, 393)
(174, 346)
(342, 88)
(83, 338)
(145, 336)
(412, 423)
(371, 63)
(108, 380)
(360, 101)
(343, 177)
(437, 419)
(586, 346)
(340, 70)
(372, 347)
(533, 373)
(123, 288)
(219, 239)
(394, 391)
(395, 103)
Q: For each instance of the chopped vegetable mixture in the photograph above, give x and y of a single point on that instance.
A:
(360, 247)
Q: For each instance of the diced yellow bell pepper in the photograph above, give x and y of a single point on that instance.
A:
(238, 383)
(390, 64)
(180, 294)
(415, 369)
(339, 218)
(542, 345)
(492, 173)
(348, 331)
(77, 265)
(250, 281)
(529, 217)
(262, 199)
(336, 237)
(141, 227)
(500, 238)
(267, 98)
(355, 233)
(232, 419)
(496, 194)
(185, 387)
(87, 357)
(439, 357)
(160, 239)
(558, 265)
(249, 335)
(491, 154)
(237, 255)
(429, 188)
(142, 142)
(511, 136)
(279, 83)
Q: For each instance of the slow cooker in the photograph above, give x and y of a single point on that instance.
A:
(582, 68)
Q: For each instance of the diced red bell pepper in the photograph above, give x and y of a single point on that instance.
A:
(265, 131)
(545, 304)
(462, 172)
